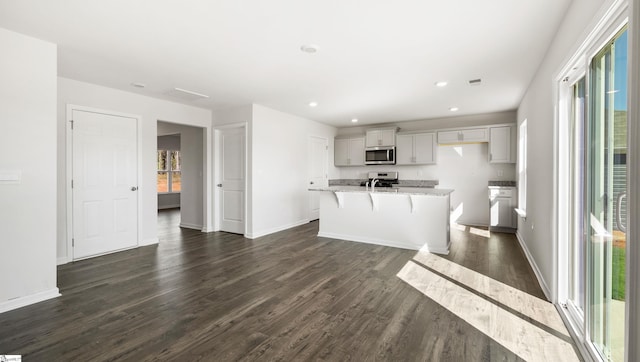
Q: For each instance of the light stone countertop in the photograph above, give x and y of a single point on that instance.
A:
(386, 190)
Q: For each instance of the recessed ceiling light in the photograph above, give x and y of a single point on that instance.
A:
(138, 85)
(441, 83)
(310, 48)
(313, 104)
(354, 120)
(453, 109)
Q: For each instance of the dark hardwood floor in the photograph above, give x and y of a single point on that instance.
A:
(287, 296)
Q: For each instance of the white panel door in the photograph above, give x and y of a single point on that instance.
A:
(318, 156)
(232, 180)
(104, 172)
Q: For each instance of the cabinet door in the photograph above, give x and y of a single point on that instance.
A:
(424, 148)
(475, 135)
(373, 138)
(341, 152)
(449, 137)
(388, 137)
(500, 145)
(356, 152)
(405, 154)
(501, 212)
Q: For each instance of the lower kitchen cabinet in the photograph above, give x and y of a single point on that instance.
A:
(502, 204)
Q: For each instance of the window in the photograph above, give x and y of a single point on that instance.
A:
(169, 175)
(522, 170)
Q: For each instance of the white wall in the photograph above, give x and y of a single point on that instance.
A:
(280, 169)
(151, 110)
(191, 196)
(463, 168)
(537, 107)
(28, 145)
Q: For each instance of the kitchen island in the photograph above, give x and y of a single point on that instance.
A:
(403, 217)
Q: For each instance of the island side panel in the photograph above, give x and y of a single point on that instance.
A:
(392, 223)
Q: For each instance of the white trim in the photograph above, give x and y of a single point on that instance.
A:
(150, 241)
(69, 171)
(275, 230)
(191, 226)
(389, 243)
(632, 312)
(20, 302)
(534, 266)
(63, 260)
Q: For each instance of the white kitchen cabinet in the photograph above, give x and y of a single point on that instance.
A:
(349, 152)
(381, 137)
(469, 135)
(502, 203)
(502, 144)
(416, 149)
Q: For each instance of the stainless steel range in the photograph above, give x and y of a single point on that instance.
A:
(385, 179)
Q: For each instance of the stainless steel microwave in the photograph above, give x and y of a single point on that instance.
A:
(380, 156)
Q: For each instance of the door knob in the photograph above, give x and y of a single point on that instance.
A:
(133, 188)
(219, 185)
(311, 182)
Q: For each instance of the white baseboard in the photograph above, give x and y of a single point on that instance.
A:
(275, 230)
(190, 226)
(534, 266)
(149, 241)
(207, 229)
(28, 300)
(63, 260)
(390, 243)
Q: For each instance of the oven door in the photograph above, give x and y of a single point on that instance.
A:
(380, 156)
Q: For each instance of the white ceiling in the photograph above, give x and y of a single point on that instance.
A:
(378, 60)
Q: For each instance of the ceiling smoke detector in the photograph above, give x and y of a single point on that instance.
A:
(477, 81)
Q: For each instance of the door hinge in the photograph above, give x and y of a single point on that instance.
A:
(73, 242)
(71, 121)
(71, 183)
(326, 147)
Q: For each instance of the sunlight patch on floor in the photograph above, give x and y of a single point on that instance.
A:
(524, 339)
(538, 309)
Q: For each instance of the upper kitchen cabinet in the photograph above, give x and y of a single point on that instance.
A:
(469, 135)
(416, 149)
(349, 151)
(502, 144)
(381, 137)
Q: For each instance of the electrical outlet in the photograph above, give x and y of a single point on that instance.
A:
(500, 173)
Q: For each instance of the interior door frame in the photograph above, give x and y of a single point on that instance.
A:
(69, 170)
(217, 171)
(325, 163)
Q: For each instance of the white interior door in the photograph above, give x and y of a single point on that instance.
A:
(318, 156)
(104, 183)
(232, 180)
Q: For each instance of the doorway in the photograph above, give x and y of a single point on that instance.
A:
(181, 171)
(318, 160)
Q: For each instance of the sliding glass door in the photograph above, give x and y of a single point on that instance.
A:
(606, 186)
(595, 156)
